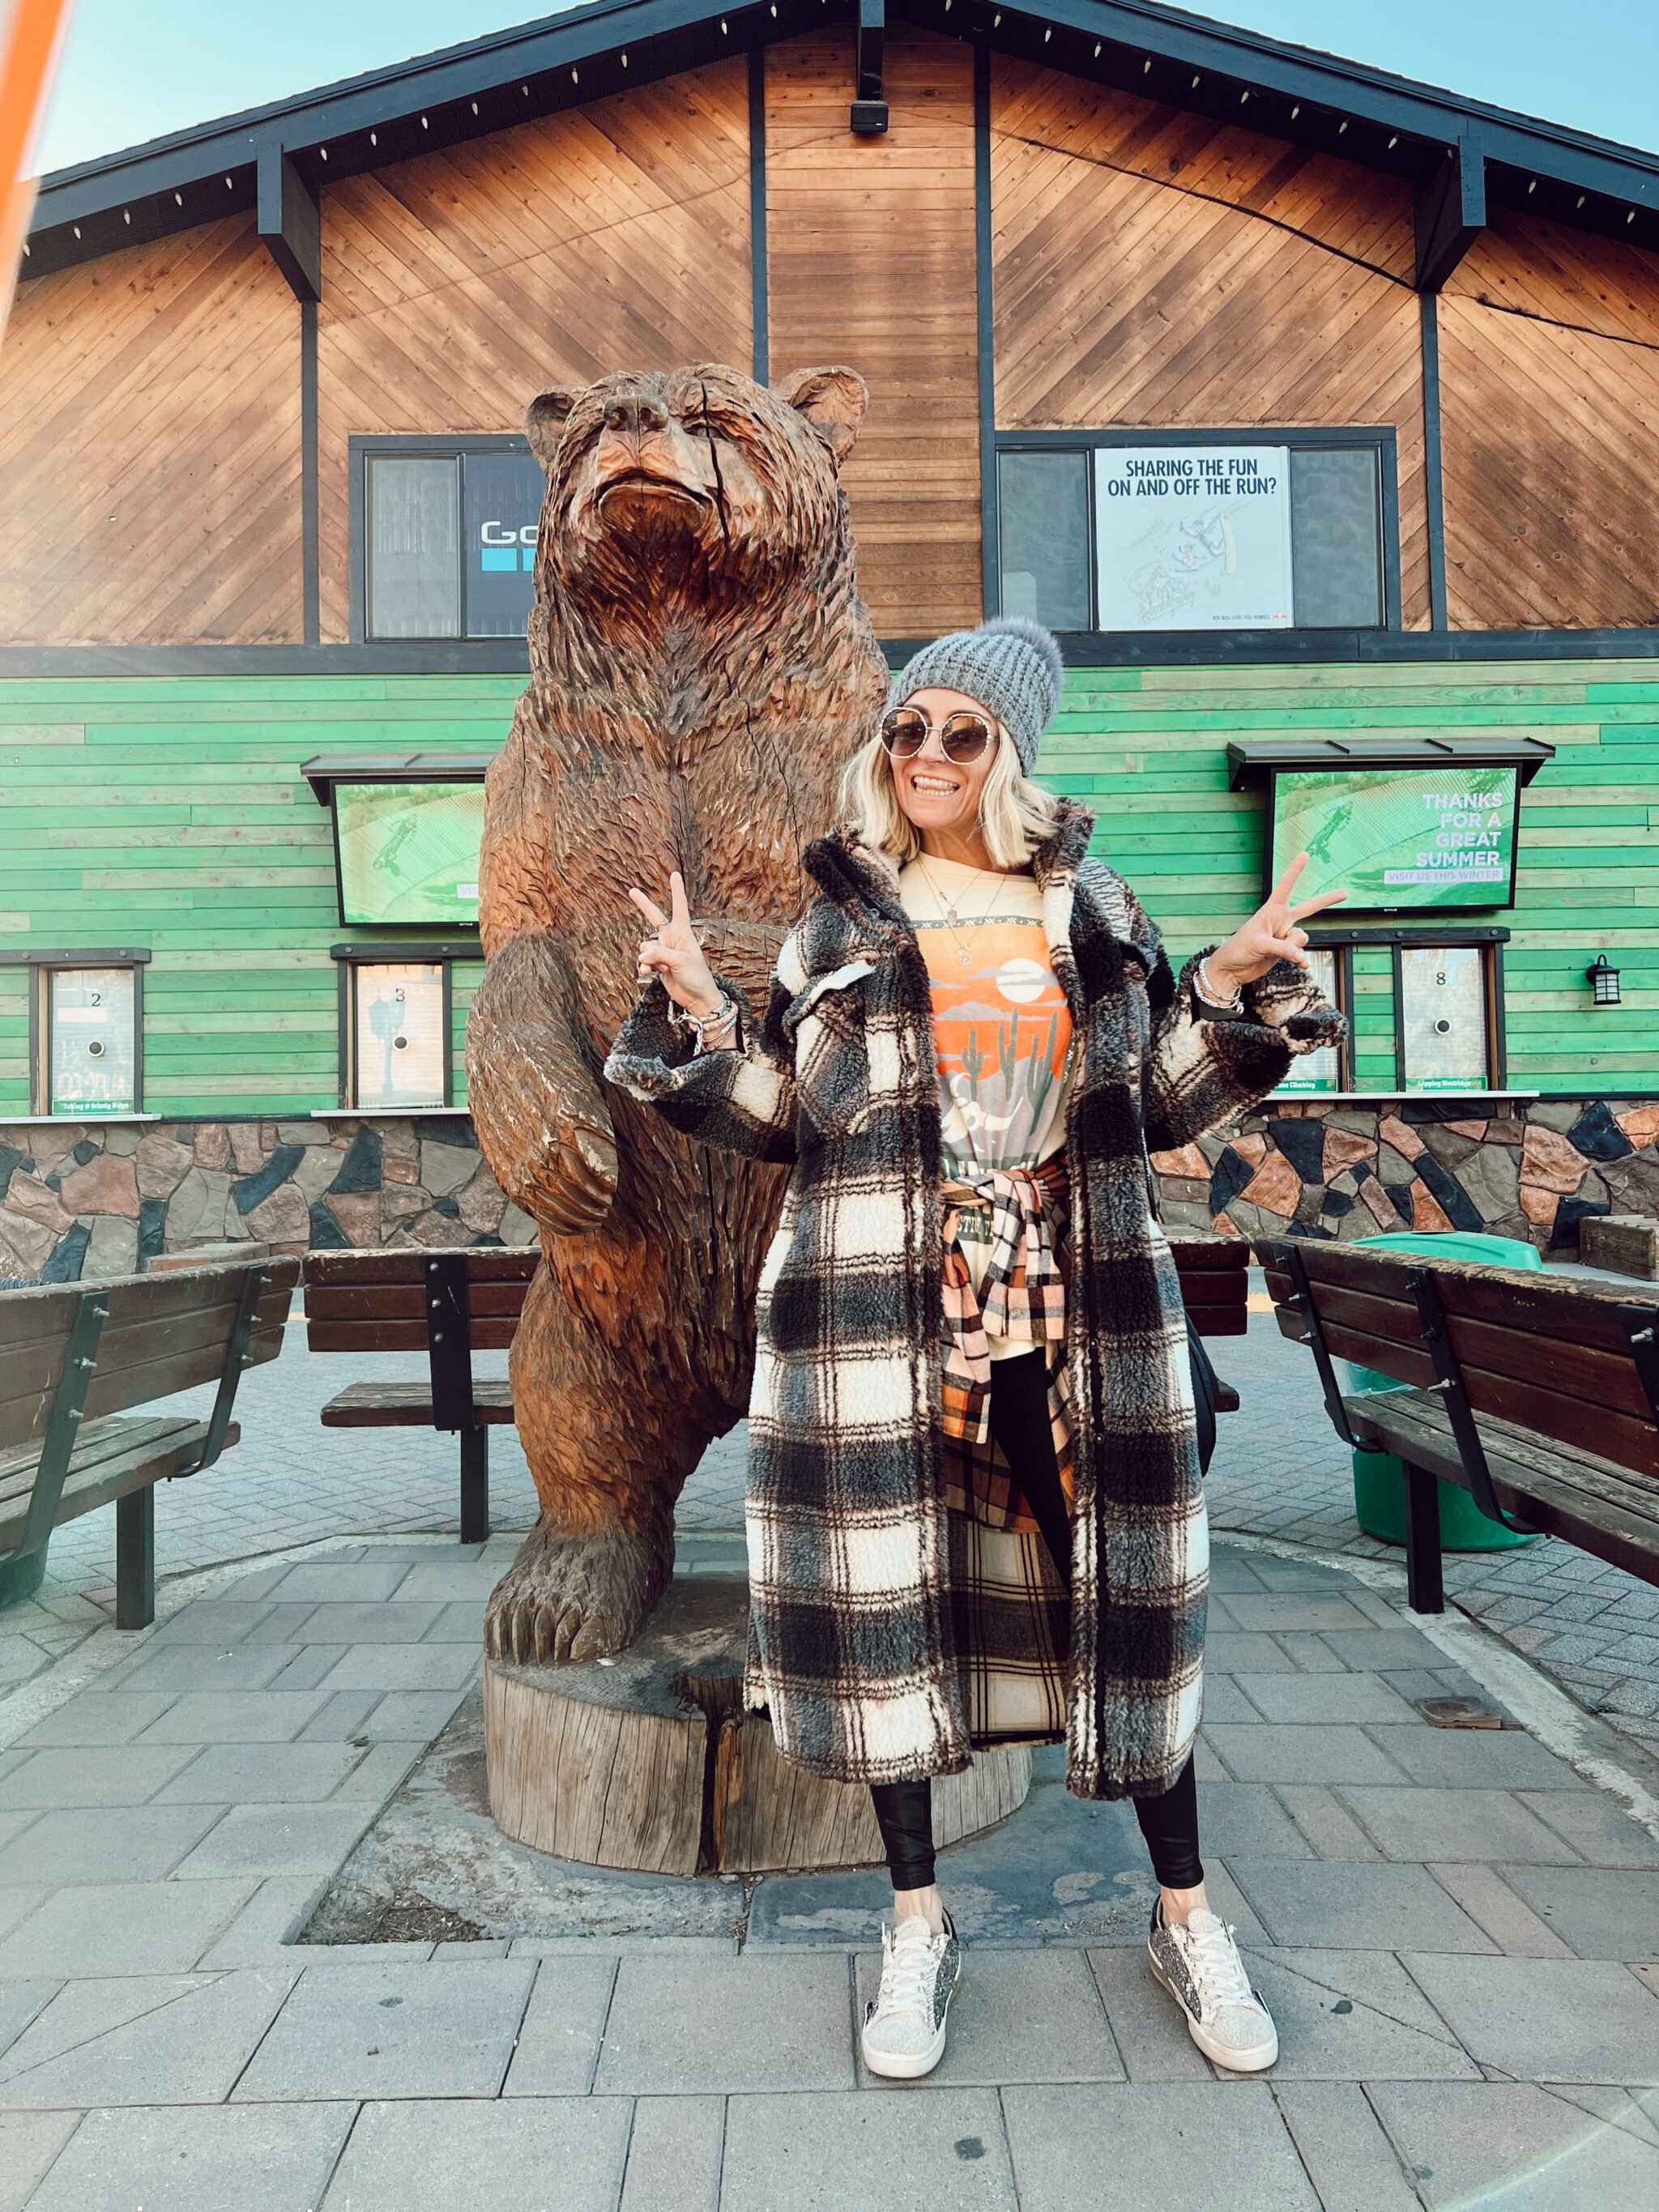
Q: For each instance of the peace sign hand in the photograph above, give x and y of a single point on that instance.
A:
(1270, 934)
(674, 953)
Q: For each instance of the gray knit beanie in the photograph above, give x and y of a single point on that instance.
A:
(1009, 665)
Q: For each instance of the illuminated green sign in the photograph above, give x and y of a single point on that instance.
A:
(1398, 839)
(409, 852)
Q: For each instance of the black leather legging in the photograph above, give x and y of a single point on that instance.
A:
(1020, 1424)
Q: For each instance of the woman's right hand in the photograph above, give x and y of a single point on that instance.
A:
(674, 953)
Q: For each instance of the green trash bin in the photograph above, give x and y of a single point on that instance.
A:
(1379, 1478)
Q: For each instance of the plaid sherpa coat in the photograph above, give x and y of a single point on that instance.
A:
(875, 1661)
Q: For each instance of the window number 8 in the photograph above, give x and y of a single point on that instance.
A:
(1441, 978)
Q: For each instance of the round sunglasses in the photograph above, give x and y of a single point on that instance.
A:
(963, 736)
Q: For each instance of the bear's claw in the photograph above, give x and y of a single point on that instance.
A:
(573, 1598)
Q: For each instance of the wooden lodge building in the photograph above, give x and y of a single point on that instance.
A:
(1316, 409)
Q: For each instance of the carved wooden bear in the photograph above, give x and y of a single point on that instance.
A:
(701, 667)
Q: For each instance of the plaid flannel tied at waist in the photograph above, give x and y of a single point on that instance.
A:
(1024, 1292)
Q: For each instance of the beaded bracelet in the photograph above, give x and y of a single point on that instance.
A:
(1207, 991)
(708, 1024)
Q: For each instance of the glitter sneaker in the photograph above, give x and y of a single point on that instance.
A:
(1200, 1966)
(903, 2034)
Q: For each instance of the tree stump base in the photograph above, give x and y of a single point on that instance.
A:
(648, 1761)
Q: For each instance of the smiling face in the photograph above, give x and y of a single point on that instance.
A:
(942, 796)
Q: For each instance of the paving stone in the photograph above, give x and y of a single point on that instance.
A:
(1349, 2158)
(379, 1771)
(806, 2154)
(1603, 1913)
(1224, 1701)
(1226, 1651)
(1490, 1902)
(13, 1824)
(1293, 1609)
(459, 1623)
(1506, 2144)
(401, 2030)
(1146, 2024)
(1353, 2015)
(1033, 2015)
(694, 2023)
(674, 2154)
(559, 2041)
(1246, 1816)
(340, 1717)
(123, 1774)
(19, 2003)
(262, 1773)
(1233, 1571)
(235, 1717)
(449, 1582)
(1276, 1574)
(316, 1582)
(146, 2039)
(178, 1666)
(1456, 1824)
(1326, 1824)
(29, 2141)
(1162, 2143)
(223, 1622)
(368, 1624)
(1311, 1654)
(404, 1667)
(277, 1839)
(125, 1927)
(16, 1904)
(411, 1716)
(1547, 2019)
(106, 1843)
(433, 2157)
(1597, 1827)
(87, 1723)
(307, 1666)
(1342, 1906)
(1324, 1698)
(198, 2160)
(263, 1932)
(1479, 1758)
(1271, 1753)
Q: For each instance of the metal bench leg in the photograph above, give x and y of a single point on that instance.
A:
(475, 1486)
(134, 1557)
(1424, 1591)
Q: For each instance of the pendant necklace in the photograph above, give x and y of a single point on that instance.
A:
(963, 951)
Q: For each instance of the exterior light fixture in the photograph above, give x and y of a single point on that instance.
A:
(1603, 979)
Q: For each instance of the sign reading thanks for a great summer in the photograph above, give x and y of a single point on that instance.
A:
(1193, 537)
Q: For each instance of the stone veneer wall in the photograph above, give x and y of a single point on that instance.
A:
(1532, 1169)
(95, 1199)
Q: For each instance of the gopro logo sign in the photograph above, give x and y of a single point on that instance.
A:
(501, 547)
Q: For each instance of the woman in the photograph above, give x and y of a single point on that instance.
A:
(974, 1506)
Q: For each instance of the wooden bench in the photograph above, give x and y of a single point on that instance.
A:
(73, 1359)
(1537, 1395)
(450, 1304)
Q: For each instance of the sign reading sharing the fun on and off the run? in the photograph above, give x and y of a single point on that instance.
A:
(1398, 837)
(1193, 537)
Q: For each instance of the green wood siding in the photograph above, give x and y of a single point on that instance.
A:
(171, 815)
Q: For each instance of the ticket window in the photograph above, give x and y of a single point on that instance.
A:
(1312, 1074)
(1446, 1017)
(87, 1044)
(397, 1026)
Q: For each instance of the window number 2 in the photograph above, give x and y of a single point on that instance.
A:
(95, 998)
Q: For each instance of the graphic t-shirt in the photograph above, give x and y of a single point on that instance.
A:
(1002, 1030)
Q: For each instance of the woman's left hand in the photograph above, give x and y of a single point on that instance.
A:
(1270, 935)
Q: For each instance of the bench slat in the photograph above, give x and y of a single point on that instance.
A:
(112, 1459)
(409, 1405)
(488, 1335)
(484, 1264)
(344, 1302)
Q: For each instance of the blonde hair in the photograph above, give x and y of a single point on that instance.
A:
(1015, 815)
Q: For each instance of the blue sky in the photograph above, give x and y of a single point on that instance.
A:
(135, 68)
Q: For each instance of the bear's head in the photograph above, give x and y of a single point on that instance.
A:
(692, 483)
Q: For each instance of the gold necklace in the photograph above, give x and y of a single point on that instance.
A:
(963, 951)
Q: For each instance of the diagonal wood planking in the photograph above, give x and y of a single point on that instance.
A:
(457, 286)
(1549, 366)
(870, 262)
(150, 449)
(1155, 268)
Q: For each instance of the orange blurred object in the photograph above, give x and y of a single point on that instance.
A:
(31, 32)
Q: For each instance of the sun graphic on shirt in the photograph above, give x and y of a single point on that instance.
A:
(1021, 980)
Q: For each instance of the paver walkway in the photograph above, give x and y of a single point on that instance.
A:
(1458, 1933)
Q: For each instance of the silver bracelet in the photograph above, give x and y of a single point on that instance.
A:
(705, 1024)
(1207, 991)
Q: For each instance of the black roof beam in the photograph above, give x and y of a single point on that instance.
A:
(870, 95)
(1449, 211)
(289, 222)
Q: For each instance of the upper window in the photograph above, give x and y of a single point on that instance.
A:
(1133, 532)
(444, 536)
